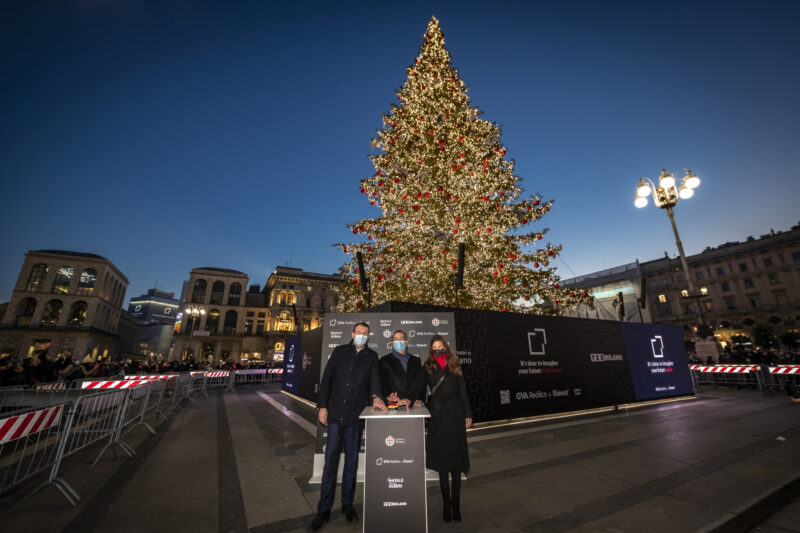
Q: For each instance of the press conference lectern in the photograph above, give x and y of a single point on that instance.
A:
(395, 498)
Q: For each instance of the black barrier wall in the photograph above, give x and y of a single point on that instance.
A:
(518, 365)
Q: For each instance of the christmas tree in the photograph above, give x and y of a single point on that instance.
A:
(442, 178)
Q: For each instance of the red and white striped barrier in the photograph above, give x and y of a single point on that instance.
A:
(58, 385)
(121, 384)
(16, 427)
(218, 374)
(793, 369)
(275, 371)
(155, 376)
(726, 369)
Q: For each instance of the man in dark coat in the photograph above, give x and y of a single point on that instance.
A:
(350, 383)
(399, 369)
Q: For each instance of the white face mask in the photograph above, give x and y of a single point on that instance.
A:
(360, 340)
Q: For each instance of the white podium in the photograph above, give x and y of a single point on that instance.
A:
(395, 497)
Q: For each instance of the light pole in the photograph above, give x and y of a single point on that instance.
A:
(665, 196)
(194, 312)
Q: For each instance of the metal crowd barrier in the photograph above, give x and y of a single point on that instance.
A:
(250, 377)
(782, 375)
(727, 376)
(30, 443)
(217, 378)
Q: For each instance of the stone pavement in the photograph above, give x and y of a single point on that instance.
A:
(241, 462)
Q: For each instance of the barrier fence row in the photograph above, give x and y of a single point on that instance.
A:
(41, 426)
(761, 377)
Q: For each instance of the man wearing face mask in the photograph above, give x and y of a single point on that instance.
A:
(350, 383)
(399, 369)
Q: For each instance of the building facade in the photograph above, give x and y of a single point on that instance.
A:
(740, 284)
(218, 320)
(66, 302)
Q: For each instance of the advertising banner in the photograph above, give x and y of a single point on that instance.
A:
(657, 358)
(301, 364)
(291, 368)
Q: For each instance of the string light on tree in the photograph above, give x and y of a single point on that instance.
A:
(442, 178)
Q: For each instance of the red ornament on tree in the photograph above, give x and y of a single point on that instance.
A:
(505, 279)
(358, 303)
(556, 286)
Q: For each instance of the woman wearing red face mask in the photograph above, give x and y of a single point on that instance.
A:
(446, 447)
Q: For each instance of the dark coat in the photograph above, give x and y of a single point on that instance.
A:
(349, 383)
(394, 378)
(446, 447)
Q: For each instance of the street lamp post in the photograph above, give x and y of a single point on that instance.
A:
(666, 196)
(194, 312)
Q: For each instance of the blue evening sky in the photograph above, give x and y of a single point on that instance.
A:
(167, 135)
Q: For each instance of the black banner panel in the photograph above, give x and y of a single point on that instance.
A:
(301, 362)
(541, 365)
(657, 357)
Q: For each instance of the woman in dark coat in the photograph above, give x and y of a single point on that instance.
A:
(446, 446)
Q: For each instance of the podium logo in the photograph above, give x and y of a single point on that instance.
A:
(379, 461)
(332, 323)
(387, 333)
(537, 339)
(390, 440)
(435, 322)
(657, 345)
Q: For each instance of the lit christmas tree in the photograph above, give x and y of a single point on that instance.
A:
(442, 178)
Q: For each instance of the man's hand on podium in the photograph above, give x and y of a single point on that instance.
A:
(377, 403)
(323, 416)
(404, 401)
(393, 397)
(418, 404)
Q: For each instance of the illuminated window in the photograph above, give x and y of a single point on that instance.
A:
(703, 290)
(212, 321)
(77, 315)
(279, 347)
(684, 293)
(86, 283)
(662, 298)
(36, 278)
(282, 298)
(51, 313)
(63, 279)
(25, 311)
(291, 299)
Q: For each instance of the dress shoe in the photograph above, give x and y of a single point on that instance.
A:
(456, 512)
(349, 512)
(319, 520)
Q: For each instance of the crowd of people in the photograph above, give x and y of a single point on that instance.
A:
(44, 367)
(746, 355)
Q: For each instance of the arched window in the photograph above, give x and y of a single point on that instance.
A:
(77, 315)
(199, 291)
(279, 347)
(229, 327)
(217, 290)
(308, 302)
(282, 298)
(235, 294)
(284, 322)
(25, 311)
(63, 279)
(36, 277)
(291, 299)
(212, 321)
(51, 313)
(86, 283)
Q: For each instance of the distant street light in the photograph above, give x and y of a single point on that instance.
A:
(665, 196)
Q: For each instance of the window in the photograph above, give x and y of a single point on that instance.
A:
(235, 294)
(282, 298)
(730, 303)
(685, 293)
(709, 305)
(662, 298)
(199, 291)
(212, 321)
(780, 297)
(36, 278)
(308, 302)
(250, 314)
(767, 262)
(63, 279)
(663, 306)
(217, 291)
(51, 313)
(86, 283)
(679, 277)
(248, 326)
(231, 317)
(262, 315)
(704, 291)
(796, 256)
(25, 311)
(77, 315)
(698, 275)
(664, 282)
(753, 299)
(291, 299)
(720, 271)
(725, 286)
(742, 267)
(773, 278)
(748, 283)
(260, 327)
